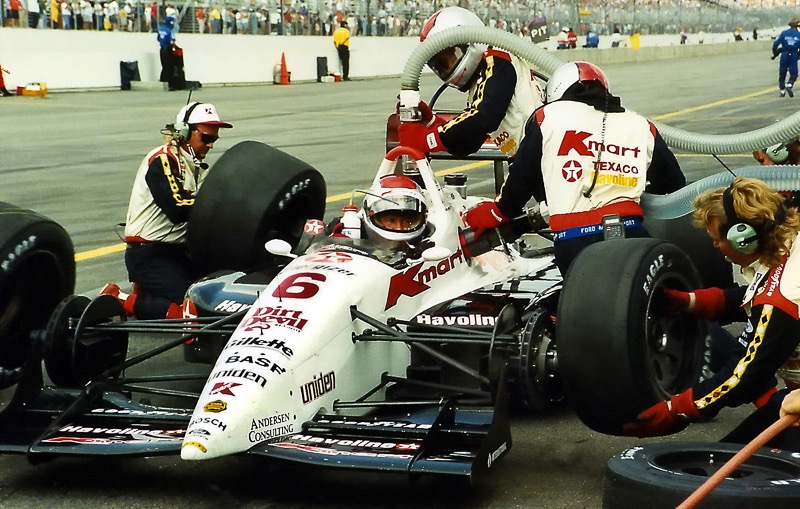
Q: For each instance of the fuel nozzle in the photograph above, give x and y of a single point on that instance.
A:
(408, 110)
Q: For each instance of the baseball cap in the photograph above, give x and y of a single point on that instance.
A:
(201, 113)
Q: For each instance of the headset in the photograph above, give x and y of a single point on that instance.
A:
(778, 153)
(182, 128)
(741, 235)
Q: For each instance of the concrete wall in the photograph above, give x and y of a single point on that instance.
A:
(80, 59)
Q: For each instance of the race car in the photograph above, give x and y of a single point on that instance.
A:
(325, 350)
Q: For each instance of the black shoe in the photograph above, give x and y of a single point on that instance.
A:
(789, 90)
(4, 92)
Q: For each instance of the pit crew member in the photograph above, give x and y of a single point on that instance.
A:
(161, 200)
(786, 46)
(501, 89)
(587, 157)
(751, 225)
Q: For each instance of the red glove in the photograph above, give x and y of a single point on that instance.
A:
(665, 418)
(708, 303)
(484, 216)
(421, 137)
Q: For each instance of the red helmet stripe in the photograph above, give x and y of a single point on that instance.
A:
(428, 26)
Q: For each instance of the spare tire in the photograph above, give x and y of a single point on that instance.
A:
(252, 194)
(37, 271)
(617, 354)
(664, 475)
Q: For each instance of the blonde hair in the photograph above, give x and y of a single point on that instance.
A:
(754, 203)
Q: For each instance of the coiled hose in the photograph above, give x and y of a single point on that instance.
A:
(760, 138)
(680, 203)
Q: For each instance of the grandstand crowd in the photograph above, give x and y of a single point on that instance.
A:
(396, 18)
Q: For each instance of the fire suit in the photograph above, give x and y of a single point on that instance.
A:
(787, 44)
(162, 197)
(586, 163)
(499, 103)
(769, 307)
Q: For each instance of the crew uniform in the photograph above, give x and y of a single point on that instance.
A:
(499, 103)
(162, 198)
(769, 306)
(565, 143)
(787, 45)
(502, 92)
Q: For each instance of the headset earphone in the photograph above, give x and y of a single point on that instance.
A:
(741, 235)
(778, 153)
(183, 128)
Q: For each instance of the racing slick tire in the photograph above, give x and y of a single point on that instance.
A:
(617, 353)
(253, 193)
(663, 475)
(37, 271)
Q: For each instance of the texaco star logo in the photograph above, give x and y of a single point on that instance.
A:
(314, 227)
(572, 171)
(334, 257)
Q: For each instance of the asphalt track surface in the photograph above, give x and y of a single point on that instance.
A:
(72, 157)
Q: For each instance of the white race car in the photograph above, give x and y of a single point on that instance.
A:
(336, 351)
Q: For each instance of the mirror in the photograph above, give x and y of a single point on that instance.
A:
(279, 247)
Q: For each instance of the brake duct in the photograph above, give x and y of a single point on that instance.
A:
(745, 142)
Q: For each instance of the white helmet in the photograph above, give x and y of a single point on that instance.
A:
(468, 56)
(395, 209)
(569, 74)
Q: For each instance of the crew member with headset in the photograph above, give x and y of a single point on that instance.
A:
(752, 226)
(587, 157)
(162, 197)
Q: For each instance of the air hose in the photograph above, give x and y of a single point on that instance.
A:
(677, 138)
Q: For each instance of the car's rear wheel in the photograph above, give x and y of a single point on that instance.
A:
(37, 270)
(617, 352)
(252, 194)
(664, 475)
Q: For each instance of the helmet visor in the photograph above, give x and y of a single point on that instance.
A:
(445, 61)
(398, 220)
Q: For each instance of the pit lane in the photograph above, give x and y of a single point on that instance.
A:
(73, 157)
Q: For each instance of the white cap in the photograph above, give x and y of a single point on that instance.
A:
(200, 113)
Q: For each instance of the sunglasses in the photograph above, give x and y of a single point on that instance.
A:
(206, 138)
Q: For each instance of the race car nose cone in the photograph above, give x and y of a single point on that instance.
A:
(193, 450)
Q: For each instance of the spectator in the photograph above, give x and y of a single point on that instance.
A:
(561, 39)
(87, 11)
(755, 34)
(786, 45)
(161, 200)
(33, 13)
(99, 16)
(572, 39)
(200, 14)
(616, 38)
(113, 15)
(737, 34)
(566, 159)
(66, 15)
(592, 39)
(12, 14)
(216, 20)
(341, 41)
(167, 45)
(154, 21)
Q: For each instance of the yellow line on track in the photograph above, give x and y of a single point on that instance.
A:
(117, 248)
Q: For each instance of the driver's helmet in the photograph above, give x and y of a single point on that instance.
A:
(569, 74)
(395, 209)
(455, 66)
